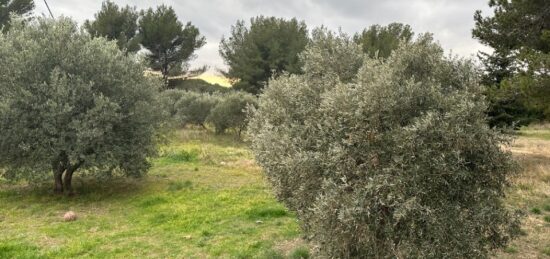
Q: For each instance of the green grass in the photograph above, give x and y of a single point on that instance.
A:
(535, 210)
(300, 253)
(511, 250)
(542, 133)
(203, 198)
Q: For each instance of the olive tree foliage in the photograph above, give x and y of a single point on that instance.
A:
(230, 111)
(188, 107)
(385, 158)
(221, 110)
(69, 102)
(195, 107)
(168, 100)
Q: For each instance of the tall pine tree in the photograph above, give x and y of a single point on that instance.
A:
(170, 45)
(268, 47)
(518, 70)
(115, 23)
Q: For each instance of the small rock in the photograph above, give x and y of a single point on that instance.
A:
(187, 237)
(259, 222)
(69, 216)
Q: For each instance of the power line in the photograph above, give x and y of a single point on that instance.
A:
(47, 6)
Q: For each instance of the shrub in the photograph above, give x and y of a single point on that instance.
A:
(388, 158)
(188, 107)
(168, 100)
(194, 108)
(229, 112)
(69, 102)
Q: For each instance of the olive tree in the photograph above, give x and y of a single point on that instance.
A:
(194, 108)
(387, 158)
(69, 102)
(230, 111)
(168, 100)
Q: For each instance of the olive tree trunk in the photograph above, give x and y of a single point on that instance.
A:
(57, 175)
(63, 177)
(67, 182)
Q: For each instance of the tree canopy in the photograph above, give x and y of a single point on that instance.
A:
(382, 40)
(115, 23)
(267, 48)
(170, 45)
(386, 158)
(518, 70)
(18, 7)
(70, 102)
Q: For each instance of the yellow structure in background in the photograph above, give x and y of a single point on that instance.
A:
(214, 79)
(210, 78)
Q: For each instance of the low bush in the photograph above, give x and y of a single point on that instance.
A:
(223, 111)
(194, 108)
(168, 101)
(230, 111)
(187, 107)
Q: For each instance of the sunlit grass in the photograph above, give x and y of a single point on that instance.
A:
(541, 131)
(204, 197)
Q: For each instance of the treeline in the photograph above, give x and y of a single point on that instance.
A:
(516, 73)
(268, 47)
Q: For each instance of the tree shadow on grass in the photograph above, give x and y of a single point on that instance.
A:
(87, 190)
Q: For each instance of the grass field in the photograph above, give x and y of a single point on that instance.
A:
(205, 198)
(530, 192)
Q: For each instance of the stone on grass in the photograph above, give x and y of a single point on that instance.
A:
(69, 216)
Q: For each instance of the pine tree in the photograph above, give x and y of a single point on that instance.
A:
(115, 23)
(170, 45)
(268, 47)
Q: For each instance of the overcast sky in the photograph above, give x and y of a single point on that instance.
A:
(450, 21)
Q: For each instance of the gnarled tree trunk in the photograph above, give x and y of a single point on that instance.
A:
(63, 175)
(67, 182)
(58, 167)
(57, 175)
(68, 178)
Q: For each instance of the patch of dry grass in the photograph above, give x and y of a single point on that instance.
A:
(530, 192)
